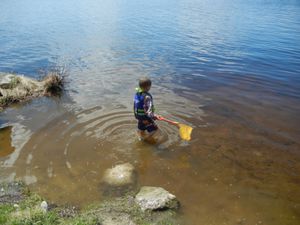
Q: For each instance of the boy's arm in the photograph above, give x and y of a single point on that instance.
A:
(148, 108)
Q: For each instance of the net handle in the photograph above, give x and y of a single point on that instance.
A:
(166, 120)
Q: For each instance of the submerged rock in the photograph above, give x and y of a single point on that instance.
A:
(119, 175)
(156, 198)
(119, 180)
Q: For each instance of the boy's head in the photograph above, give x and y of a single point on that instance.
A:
(145, 84)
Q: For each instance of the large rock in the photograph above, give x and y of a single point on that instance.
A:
(155, 198)
(119, 175)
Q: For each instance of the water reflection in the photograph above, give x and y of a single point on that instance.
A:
(6, 147)
(19, 135)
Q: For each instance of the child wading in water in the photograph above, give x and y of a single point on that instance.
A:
(144, 110)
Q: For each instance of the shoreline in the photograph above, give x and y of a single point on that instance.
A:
(18, 205)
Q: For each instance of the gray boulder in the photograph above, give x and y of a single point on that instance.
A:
(155, 198)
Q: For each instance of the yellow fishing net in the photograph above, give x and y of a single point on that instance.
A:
(185, 131)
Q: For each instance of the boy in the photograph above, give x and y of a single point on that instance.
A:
(144, 109)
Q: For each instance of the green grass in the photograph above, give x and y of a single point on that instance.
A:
(27, 212)
(5, 211)
(36, 218)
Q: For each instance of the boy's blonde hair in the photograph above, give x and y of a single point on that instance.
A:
(144, 82)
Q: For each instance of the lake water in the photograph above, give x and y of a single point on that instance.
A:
(229, 68)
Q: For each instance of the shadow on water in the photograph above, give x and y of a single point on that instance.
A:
(6, 147)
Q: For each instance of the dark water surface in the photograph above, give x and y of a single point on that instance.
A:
(229, 68)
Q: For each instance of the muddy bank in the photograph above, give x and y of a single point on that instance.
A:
(18, 88)
(18, 205)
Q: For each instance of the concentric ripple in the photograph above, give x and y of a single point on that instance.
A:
(117, 126)
(79, 146)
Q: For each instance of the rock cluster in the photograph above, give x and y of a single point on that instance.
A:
(118, 179)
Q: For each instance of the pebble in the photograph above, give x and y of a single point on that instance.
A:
(44, 206)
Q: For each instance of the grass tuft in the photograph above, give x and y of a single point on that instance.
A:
(5, 211)
(54, 81)
(36, 217)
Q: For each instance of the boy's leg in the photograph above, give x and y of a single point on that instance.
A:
(141, 134)
(153, 136)
(149, 126)
(152, 129)
(141, 130)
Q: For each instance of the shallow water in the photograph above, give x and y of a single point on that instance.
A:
(228, 68)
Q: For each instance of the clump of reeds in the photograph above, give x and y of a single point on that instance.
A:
(54, 81)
